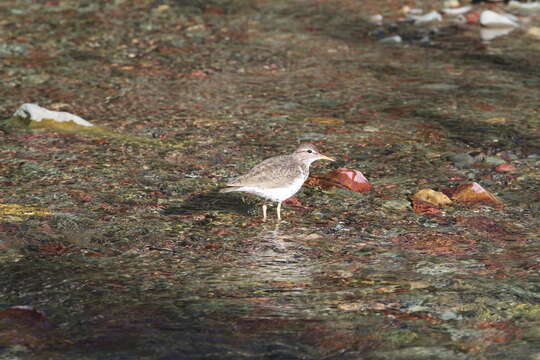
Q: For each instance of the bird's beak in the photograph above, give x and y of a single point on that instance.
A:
(324, 157)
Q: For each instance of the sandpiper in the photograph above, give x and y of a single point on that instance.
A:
(279, 177)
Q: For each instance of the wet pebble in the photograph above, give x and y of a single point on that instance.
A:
(398, 204)
(474, 193)
(505, 168)
(370, 129)
(493, 160)
(395, 39)
(13, 49)
(339, 227)
(430, 17)
(455, 11)
(376, 19)
(429, 268)
(462, 160)
(433, 197)
(449, 315)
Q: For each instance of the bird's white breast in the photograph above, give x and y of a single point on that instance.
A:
(276, 194)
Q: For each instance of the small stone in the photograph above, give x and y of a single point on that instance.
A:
(534, 31)
(429, 268)
(419, 285)
(496, 120)
(313, 236)
(505, 168)
(400, 205)
(530, 6)
(13, 49)
(427, 18)
(376, 19)
(449, 315)
(395, 39)
(474, 193)
(493, 160)
(451, 4)
(433, 197)
(290, 106)
(462, 160)
(355, 306)
(370, 129)
(456, 11)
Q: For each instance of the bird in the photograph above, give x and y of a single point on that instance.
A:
(279, 177)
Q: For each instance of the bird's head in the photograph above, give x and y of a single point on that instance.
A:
(309, 153)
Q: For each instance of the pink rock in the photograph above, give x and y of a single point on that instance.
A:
(350, 179)
(474, 193)
(505, 168)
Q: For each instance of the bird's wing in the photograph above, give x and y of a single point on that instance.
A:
(270, 173)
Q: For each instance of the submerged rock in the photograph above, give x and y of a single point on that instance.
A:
(345, 178)
(396, 39)
(531, 6)
(474, 193)
(433, 197)
(462, 160)
(376, 19)
(399, 205)
(505, 168)
(34, 112)
(493, 160)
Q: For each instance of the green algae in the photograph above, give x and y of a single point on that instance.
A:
(16, 212)
(70, 127)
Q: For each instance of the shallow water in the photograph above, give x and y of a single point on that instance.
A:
(121, 244)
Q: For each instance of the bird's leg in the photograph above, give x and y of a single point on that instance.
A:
(264, 212)
(279, 211)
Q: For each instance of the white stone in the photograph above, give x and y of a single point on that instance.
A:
(376, 19)
(427, 18)
(38, 113)
(451, 4)
(396, 39)
(457, 11)
(534, 31)
(490, 18)
(532, 6)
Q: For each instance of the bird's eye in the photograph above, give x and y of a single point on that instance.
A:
(310, 151)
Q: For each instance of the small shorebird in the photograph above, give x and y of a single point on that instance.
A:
(279, 177)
